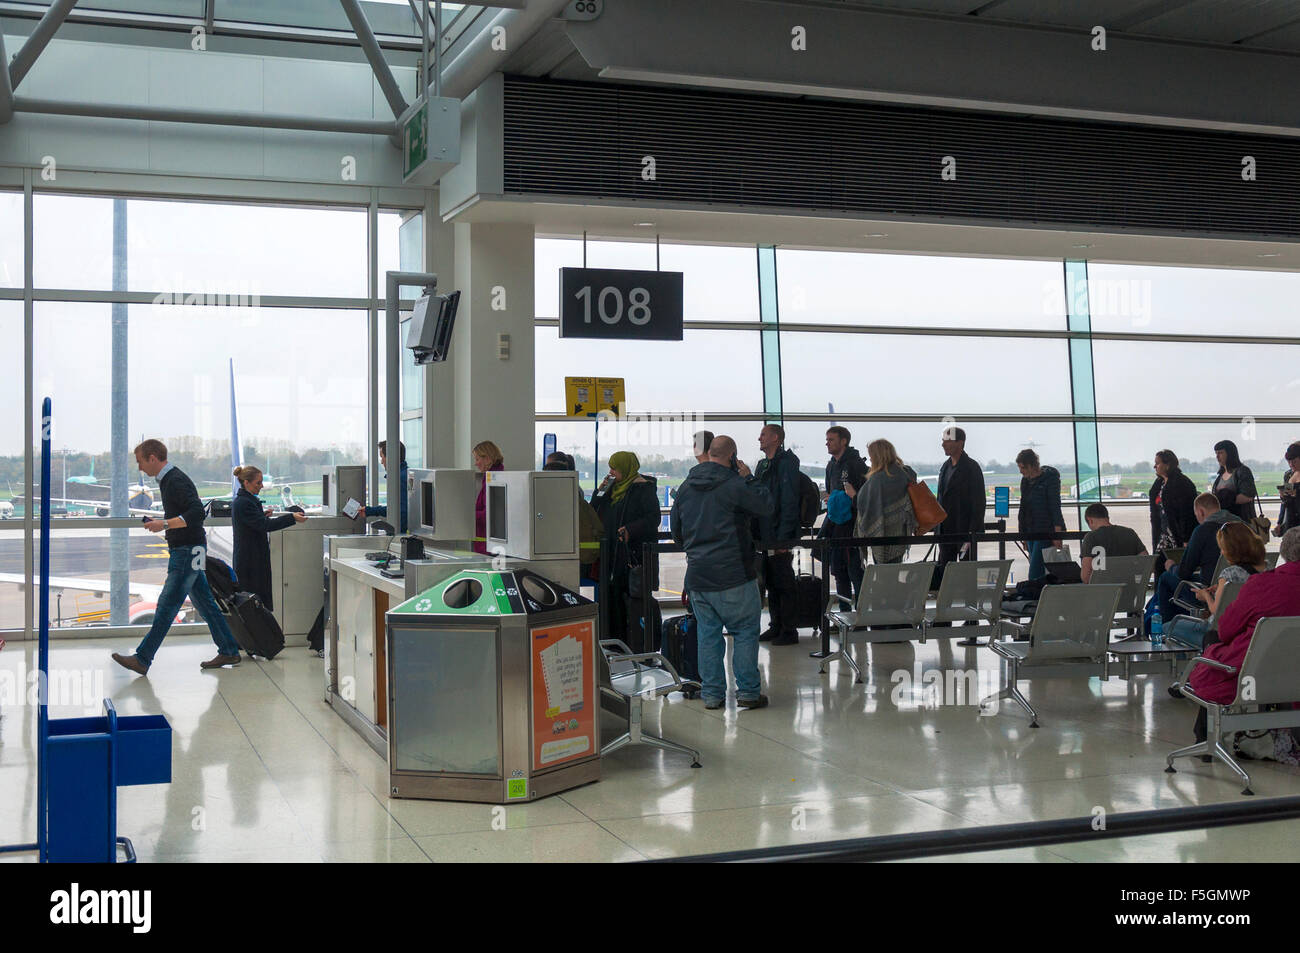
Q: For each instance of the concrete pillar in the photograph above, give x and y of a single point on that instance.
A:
(494, 396)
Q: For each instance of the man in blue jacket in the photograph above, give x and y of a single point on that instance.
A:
(182, 524)
(710, 520)
(778, 471)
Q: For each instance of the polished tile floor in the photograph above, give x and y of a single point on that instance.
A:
(264, 771)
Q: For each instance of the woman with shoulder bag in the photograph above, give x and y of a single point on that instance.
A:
(884, 505)
(1289, 491)
(1235, 484)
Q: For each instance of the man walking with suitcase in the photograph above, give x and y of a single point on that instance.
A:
(186, 563)
(710, 521)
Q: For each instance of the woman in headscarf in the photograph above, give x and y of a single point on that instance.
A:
(487, 456)
(628, 506)
(884, 507)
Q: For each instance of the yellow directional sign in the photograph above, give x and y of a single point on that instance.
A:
(588, 396)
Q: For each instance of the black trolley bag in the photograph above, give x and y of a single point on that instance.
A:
(809, 607)
(257, 633)
(679, 644)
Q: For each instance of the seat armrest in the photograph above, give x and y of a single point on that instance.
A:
(649, 659)
(608, 645)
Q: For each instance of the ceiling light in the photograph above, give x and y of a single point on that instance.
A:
(644, 224)
(1270, 254)
(876, 235)
(1082, 245)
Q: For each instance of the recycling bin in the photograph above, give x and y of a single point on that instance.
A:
(492, 689)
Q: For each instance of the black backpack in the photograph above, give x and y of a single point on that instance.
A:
(221, 578)
(810, 500)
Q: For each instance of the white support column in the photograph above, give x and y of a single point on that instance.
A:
(440, 379)
(494, 397)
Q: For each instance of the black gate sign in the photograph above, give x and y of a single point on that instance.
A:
(612, 303)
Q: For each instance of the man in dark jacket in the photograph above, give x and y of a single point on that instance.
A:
(1202, 555)
(778, 471)
(186, 564)
(962, 496)
(845, 464)
(710, 521)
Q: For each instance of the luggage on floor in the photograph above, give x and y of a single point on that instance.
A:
(810, 605)
(262, 635)
(679, 645)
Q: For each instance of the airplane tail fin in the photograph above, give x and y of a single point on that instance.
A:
(236, 445)
(830, 408)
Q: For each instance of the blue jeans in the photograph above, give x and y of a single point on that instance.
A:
(740, 610)
(1166, 586)
(1037, 568)
(1188, 630)
(186, 577)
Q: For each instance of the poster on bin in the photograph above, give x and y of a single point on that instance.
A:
(564, 706)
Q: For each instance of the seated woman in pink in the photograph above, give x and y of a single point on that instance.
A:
(1264, 595)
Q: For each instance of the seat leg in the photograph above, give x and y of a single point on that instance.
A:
(1200, 747)
(634, 719)
(837, 654)
(848, 657)
(667, 745)
(1224, 755)
(1010, 690)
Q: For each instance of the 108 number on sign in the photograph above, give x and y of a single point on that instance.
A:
(610, 306)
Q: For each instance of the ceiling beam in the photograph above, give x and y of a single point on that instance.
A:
(372, 127)
(30, 51)
(387, 82)
(6, 90)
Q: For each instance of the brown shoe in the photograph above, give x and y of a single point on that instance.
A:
(132, 663)
(219, 660)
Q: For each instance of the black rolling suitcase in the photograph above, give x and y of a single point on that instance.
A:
(809, 604)
(258, 632)
(679, 645)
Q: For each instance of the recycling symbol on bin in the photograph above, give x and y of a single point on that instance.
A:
(500, 591)
(424, 605)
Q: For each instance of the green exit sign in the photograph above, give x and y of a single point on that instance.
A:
(416, 141)
(430, 139)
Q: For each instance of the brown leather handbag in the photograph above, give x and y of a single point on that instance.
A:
(929, 513)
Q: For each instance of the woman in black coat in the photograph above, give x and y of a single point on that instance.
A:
(1172, 495)
(251, 524)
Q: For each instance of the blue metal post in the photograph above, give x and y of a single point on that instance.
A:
(43, 727)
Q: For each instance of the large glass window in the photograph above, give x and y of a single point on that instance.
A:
(299, 379)
(1146, 299)
(11, 465)
(1188, 378)
(820, 287)
(922, 374)
(11, 239)
(202, 248)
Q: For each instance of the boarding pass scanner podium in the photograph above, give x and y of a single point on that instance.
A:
(492, 689)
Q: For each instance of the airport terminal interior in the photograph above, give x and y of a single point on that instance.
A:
(445, 282)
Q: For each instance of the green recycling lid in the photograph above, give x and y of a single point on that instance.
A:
(487, 592)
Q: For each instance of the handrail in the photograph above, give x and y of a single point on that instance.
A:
(1010, 836)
